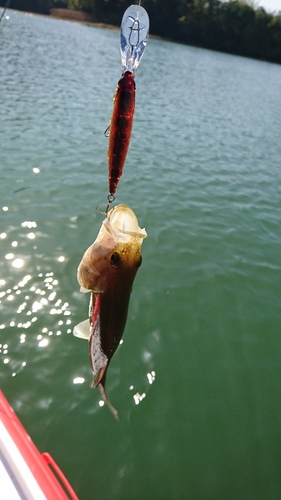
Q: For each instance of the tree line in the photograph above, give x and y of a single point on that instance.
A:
(233, 26)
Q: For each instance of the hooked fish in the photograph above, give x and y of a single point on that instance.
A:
(108, 269)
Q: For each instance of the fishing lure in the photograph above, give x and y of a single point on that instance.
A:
(133, 40)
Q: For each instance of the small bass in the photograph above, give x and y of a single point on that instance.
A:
(108, 269)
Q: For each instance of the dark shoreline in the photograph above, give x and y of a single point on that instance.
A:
(88, 20)
(78, 16)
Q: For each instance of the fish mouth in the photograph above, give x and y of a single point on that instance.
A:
(122, 221)
(119, 235)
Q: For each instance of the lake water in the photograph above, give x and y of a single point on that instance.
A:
(197, 379)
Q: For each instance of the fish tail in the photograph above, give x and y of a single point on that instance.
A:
(99, 380)
(99, 376)
(112, 409)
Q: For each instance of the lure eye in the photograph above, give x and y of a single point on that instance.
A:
(115, 259)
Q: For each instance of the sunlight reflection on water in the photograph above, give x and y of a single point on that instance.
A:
(33, 297)
(32, 311)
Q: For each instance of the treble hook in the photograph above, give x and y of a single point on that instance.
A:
(110, 199)
(107, 131)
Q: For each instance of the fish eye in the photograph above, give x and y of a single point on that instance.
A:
(115, 259)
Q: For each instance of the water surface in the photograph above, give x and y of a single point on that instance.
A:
(197, 379)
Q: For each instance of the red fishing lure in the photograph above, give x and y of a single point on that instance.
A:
(133, 40)
(120, 128)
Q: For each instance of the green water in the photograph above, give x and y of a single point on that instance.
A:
(197, 380)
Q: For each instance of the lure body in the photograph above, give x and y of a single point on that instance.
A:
(120, 128)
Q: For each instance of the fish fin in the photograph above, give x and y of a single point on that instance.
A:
(82, 330)
(106, 400)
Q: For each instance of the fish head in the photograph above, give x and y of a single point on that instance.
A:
(115, 256)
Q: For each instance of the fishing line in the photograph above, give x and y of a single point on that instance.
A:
(5, 8)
